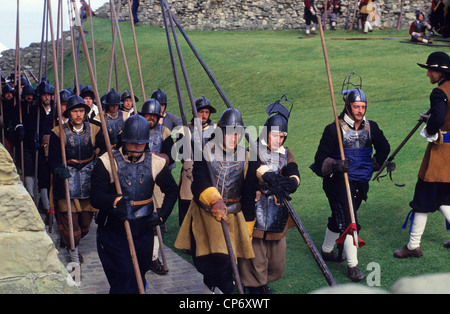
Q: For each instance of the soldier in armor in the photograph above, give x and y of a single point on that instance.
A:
(359, 137)
(418, 29)
(167, 119)
(204, 111)
(127, 102)
(30, 140)
(278, 176)
(231, 198)
(46, 116)
(138, 171)
(79, 138)
(115, 120)
(432, 191)
(310, 16)
(160, 143)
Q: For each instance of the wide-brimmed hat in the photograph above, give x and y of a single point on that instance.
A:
(437, 61)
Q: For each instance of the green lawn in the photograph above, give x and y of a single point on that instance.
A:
(255, 68)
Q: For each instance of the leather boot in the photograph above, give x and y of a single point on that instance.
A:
(447, 244)
(355, 274)
(405, 252)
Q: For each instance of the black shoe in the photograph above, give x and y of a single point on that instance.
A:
(157, 267)
(355, 274)
(332, 257)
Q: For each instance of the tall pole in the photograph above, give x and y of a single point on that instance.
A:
(137, 51)
(339, 135)
(124, 57)
(19, 89)
(61, 131)
(75, 61)
(109, 151)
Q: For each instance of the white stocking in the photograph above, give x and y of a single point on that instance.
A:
(417, 229)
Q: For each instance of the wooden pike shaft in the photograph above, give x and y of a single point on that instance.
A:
(109, 150)
(63, 150)
(341, 147)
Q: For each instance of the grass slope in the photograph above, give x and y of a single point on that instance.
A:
(255, 68)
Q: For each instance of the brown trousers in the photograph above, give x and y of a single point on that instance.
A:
(267, 266)
(81, 221)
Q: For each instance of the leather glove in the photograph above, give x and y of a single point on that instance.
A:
(288, 184)
(19, 132)
(341, 165)
(155, 219)
(375, 166)
(123, 209)
(331, 165)
(271, 178)
(62, 172)
(219, 211)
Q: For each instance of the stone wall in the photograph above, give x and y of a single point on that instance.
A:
(260, 14)
(29, 259)
(30, 57)
(220, 15)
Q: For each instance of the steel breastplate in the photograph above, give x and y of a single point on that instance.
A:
(229, 173)
(419, 26)
(136, 181)
(80, 181)
(271, 215)
(155, 135)
(78, 146)
(115, 127)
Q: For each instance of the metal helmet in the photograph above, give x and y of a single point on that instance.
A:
(111, 98)
(7, 89)
(74, 102)
(278, 115)
(28, 89)
(87, 91)
(160, 96)
(151, 106)
(136, 130)
(126, 94)
(45, 88)
(64, 95)
(230, 118)
(352, 92)
(276, 122)
(356, 94)
(203, 103)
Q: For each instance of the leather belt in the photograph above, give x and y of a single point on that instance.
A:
(76, 161)
(139, 203)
